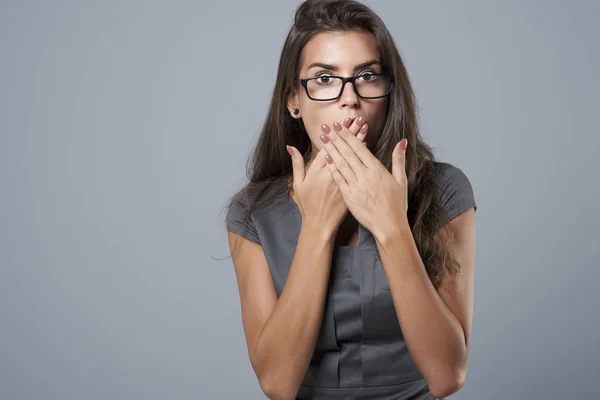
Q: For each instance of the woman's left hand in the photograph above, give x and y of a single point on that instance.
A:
(377, 199)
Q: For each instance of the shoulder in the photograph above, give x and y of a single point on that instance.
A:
(244, 205)
(450, 175)
(238, 219)
(454, 190)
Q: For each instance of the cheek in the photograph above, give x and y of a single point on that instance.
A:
(377, 120)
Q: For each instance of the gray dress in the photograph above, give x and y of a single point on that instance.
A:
(360, 352)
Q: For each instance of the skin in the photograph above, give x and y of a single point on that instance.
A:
(436, 324)
(344, 51)
(281, 331)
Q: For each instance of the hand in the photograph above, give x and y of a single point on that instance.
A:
(318, 197)
(376, 198)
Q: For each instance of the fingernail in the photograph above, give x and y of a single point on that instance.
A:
(363, 129)
(324, 139)
(348, 122)
(360, 120)
(325, 128)
(403, 144)
(337, 127)
(328, 159)
(290, 150)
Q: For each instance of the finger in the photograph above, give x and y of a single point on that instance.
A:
(297, 164)
(320, 157)
(360, 132)
(348, 121)
(343, 163)
(353, 124)
(356, 143)
(399, 161)
(337, 177)
(346, 151)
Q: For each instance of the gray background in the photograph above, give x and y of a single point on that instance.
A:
(124, 127)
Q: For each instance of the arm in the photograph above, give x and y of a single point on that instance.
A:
(281, 333)
(436, 326)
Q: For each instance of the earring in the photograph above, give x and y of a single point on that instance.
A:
(296, 111)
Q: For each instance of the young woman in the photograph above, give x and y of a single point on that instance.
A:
(354, 249)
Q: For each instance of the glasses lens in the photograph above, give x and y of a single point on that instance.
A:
(368, 85)
(372, 85)
(324, 87)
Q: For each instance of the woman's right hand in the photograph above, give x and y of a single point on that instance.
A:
(317, 195)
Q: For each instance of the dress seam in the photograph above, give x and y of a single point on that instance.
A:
(362, 387)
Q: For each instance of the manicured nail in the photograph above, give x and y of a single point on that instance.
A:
(290, 150)
(348, 122)
(324, 139)
(325, 128)
(403, 144)
(337, 127)
(360, 120)
(364, 129)
(328, 159)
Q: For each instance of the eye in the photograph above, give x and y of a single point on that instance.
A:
(368, 76)
(323, 79)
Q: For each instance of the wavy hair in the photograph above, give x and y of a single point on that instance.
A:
(270, 161)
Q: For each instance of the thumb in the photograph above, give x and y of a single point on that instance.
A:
(297, 164)
(399, 161)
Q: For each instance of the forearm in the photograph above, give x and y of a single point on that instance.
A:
(433, 334)
(286, 343)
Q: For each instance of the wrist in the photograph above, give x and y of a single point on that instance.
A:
(392, 229)
(317, 230)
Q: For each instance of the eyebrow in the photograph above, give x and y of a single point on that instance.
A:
(335, 68)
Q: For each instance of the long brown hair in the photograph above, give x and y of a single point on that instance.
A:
(270, 161)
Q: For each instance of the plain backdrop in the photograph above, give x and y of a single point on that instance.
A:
(126, 125)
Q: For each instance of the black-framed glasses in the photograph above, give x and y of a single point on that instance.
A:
(330, 87)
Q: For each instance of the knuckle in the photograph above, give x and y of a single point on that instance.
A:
(348, 153)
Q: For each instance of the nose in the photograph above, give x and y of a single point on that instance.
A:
(349, 97)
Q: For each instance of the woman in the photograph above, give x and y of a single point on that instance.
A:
(348, 240)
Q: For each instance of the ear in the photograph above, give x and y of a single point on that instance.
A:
(293, 104)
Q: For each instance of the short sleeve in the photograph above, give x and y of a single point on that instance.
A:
(235, 220)
(455, 192)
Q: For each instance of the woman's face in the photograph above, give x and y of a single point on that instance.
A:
(346, 54)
